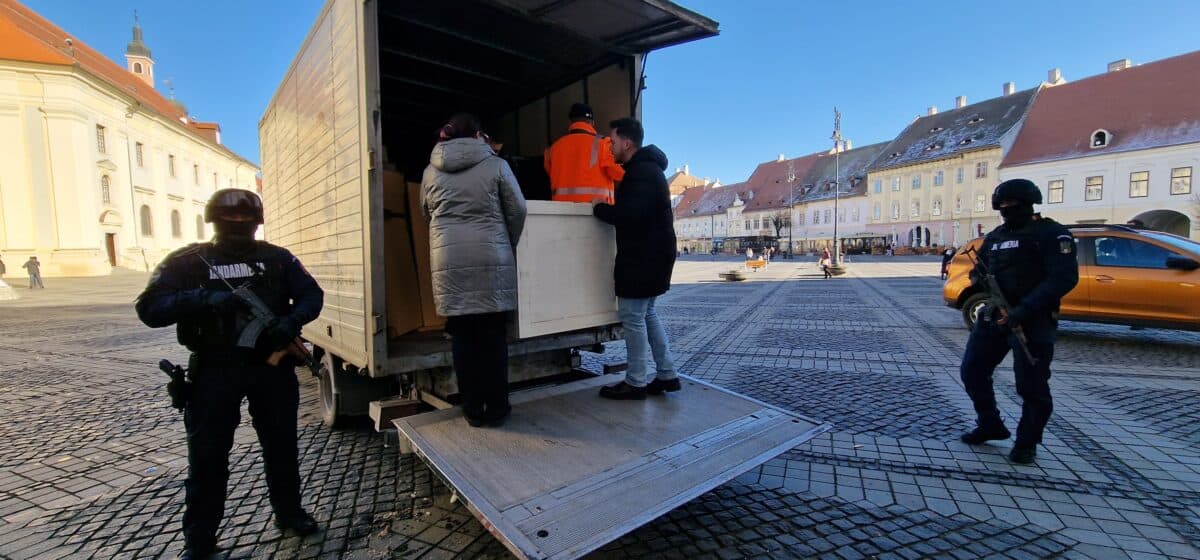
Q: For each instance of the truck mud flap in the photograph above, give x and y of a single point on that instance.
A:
(570, 471)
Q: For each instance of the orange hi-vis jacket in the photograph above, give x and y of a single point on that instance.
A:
(581, 166)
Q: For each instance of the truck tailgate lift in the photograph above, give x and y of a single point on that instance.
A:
(570, 471)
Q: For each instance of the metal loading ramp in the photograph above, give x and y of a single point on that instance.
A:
(570, 471)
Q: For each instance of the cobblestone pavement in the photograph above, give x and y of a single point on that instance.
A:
(92, 462)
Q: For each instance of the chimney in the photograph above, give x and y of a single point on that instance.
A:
(1118, 65)
(1054, 76)
(846, 145)
(685, 169)
(780, 158)
(677, 170)
(960, 102)
(1010, 88)
(932, 110)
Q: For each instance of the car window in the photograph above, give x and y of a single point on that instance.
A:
(1178, 242)
(1131, 253)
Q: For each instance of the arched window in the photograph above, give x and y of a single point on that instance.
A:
(1101, 138)
(176, 224)
(147, 222)
(199, 227)
(137, 67)
(105, 190)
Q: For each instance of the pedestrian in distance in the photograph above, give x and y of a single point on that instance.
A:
(947, 256)
(476, 215)
(34, 268)
(645, 258)
(749, 254)
(1032, 260)
(192, 289)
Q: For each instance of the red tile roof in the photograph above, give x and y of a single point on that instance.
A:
(1143, 107)
(28, 37)
(770, 183)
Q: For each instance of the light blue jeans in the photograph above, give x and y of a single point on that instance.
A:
(644, 334)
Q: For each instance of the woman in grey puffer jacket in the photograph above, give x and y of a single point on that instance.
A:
(476, 213)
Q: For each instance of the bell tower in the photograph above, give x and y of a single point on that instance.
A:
(137, 55)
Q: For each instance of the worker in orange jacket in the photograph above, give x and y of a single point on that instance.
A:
(580, 163)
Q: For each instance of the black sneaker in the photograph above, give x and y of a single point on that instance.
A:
(980, 435)
(659, 386)
(623, 392)
(1023, 455)
(301, 525)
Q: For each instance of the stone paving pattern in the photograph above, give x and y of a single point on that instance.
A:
(93, 460)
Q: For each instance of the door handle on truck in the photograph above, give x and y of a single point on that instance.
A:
(1103, 278)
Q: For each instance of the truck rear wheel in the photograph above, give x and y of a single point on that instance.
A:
(346, 396)
(970, 309)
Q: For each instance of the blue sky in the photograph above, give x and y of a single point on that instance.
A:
(766, 85)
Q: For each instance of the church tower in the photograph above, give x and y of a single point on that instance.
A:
(137, 55)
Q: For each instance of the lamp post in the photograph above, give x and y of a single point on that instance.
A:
(837, 184)
(791, 206)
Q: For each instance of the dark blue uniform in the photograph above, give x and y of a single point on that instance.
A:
(1035, 266)
(222, 373)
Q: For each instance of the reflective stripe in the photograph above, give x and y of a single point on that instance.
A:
(595, 151)
(569, 191)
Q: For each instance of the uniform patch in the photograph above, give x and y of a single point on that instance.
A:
(231, 271)
(1066, 244)
(1010, 244)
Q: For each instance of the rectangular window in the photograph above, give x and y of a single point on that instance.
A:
(1139, 184)
(1181, 180)
(101, 144)
(1093, 188)
(876, 211)
(828, 217)
(756, 223)
(196, 174)
(895, 183)
(137, 152)
(980, 202)
(938, 178)
(747, 224)
(171, 164)
(1054, 191)
(842, 216)
(981, 170)
(916, 181)
(878, 185)
(816, 216)
(958, 178)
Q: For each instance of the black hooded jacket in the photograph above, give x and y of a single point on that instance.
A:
(645, 228)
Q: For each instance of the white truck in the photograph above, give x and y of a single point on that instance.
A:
(343, 141)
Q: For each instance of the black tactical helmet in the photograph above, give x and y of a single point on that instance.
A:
(1022, 190)
(226, 202)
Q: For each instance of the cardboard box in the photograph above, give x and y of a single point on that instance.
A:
(400, 267)
(430, 320)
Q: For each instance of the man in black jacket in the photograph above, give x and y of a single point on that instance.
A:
(645, 257)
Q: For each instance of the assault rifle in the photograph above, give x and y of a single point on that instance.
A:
(997, 300)
(263, 318)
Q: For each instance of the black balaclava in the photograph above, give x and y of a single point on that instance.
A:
(1018, 216)
(236, 236)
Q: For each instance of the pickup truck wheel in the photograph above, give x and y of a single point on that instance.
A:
(970, 309)
(331, 409)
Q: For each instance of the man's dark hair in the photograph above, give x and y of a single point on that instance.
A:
(630, 129)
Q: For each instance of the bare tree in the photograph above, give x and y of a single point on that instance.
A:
(780, 219)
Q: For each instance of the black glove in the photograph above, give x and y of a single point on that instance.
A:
(180, 393)
(281, 332)
(220, 301)
(1017, 316)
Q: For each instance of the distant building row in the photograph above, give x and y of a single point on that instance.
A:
(1107, 149)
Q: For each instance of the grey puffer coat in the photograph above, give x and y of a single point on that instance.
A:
(476, 213)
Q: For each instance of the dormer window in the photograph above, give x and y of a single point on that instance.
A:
(894, 155)
(936, 129)
(1101, 138)
(966, 141)
(933, 147)
(975, 120)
